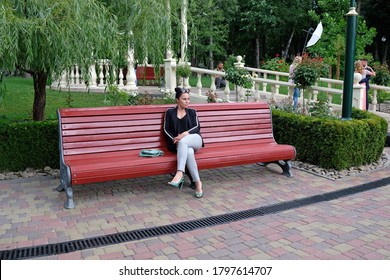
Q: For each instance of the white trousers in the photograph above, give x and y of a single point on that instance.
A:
(186, 149)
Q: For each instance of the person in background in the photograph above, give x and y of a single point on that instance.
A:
(219, 80)
(297, 60)
(182, 131)
(367, 73)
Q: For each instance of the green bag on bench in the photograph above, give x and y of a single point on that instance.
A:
(151, 153)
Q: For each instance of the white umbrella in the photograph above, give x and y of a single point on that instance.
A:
(316, 35)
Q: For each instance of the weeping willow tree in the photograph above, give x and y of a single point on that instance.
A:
(45, 37)
(146, 27)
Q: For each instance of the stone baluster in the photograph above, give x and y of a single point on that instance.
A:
(256, 94)
(107, 76)
(101, 74)
(241, 93)
(265, 84)
(239, 90)
(92, 73)
(64, 79)
(329, 95)
(170, 72)
(277, 86)
(309, 95)
(315, 92)
(71, 77)
(227, 91)
(76, 75)
(291, 91)
(330, 98)
(121, 77)
(114, 76)
(374, 100)
(199, 84)
(213, 88)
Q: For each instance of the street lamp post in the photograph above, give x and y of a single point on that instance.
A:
(349, 61)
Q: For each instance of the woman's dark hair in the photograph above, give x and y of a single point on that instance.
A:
(179, 91)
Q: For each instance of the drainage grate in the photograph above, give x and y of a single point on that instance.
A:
(88, 243)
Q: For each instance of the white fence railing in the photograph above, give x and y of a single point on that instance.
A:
(266, 84)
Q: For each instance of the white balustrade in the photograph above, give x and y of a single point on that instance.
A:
(279, 86)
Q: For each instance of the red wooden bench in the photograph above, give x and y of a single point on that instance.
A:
(103, 144)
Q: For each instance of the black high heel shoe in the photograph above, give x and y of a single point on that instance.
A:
(178, 184)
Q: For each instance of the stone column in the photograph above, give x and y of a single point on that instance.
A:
(130, 76)
(170, 72)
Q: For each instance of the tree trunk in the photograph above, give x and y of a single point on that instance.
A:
(211, 55)
(384, 57)
(257, 52)
(288, 44)
(40, 80)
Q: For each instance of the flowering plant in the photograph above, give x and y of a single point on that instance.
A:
(239, 77)
(276, 64)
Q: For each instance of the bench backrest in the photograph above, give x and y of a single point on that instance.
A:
(115, 129)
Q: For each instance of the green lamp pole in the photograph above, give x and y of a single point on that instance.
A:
(349, 61)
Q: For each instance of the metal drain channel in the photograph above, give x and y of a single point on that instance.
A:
(111, 239)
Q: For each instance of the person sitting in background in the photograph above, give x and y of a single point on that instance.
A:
(219, 80)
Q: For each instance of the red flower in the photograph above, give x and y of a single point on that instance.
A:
(277, 55)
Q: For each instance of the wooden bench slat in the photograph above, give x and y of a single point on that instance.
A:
(71, 126)
(110, 130)
(112, 136)
(109, 118)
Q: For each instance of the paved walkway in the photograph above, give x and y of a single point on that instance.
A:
(352, 227)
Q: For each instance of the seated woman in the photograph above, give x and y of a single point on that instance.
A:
(182, 130)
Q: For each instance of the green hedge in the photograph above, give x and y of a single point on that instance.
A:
(28, 144)
(330, 143)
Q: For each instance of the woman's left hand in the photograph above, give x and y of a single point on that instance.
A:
(179, 137)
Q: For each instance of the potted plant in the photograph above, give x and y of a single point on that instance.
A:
(183, 71)
(239, 77)
(306, 75)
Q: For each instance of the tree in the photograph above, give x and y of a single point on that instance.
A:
(377, 13)
(331, 46)
(146, 26)
(46, 37)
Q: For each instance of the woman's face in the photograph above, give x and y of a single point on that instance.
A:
(184, 100)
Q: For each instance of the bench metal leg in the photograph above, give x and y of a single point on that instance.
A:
(69, 203)
(65, 185)
(285, 165)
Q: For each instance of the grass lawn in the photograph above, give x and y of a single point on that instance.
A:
(19, 98)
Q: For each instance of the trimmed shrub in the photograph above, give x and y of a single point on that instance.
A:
(28, 144)
(332, 144)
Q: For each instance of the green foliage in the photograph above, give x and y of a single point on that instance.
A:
(331, 46)
(183, 71)
(332, 144)
(321, 109)
(117, 97)
(28, 144)
(276, 64)
(382, 96)
(2, 88)
(46, 37)
(306, 74)
(382, 76)
(239, 77)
